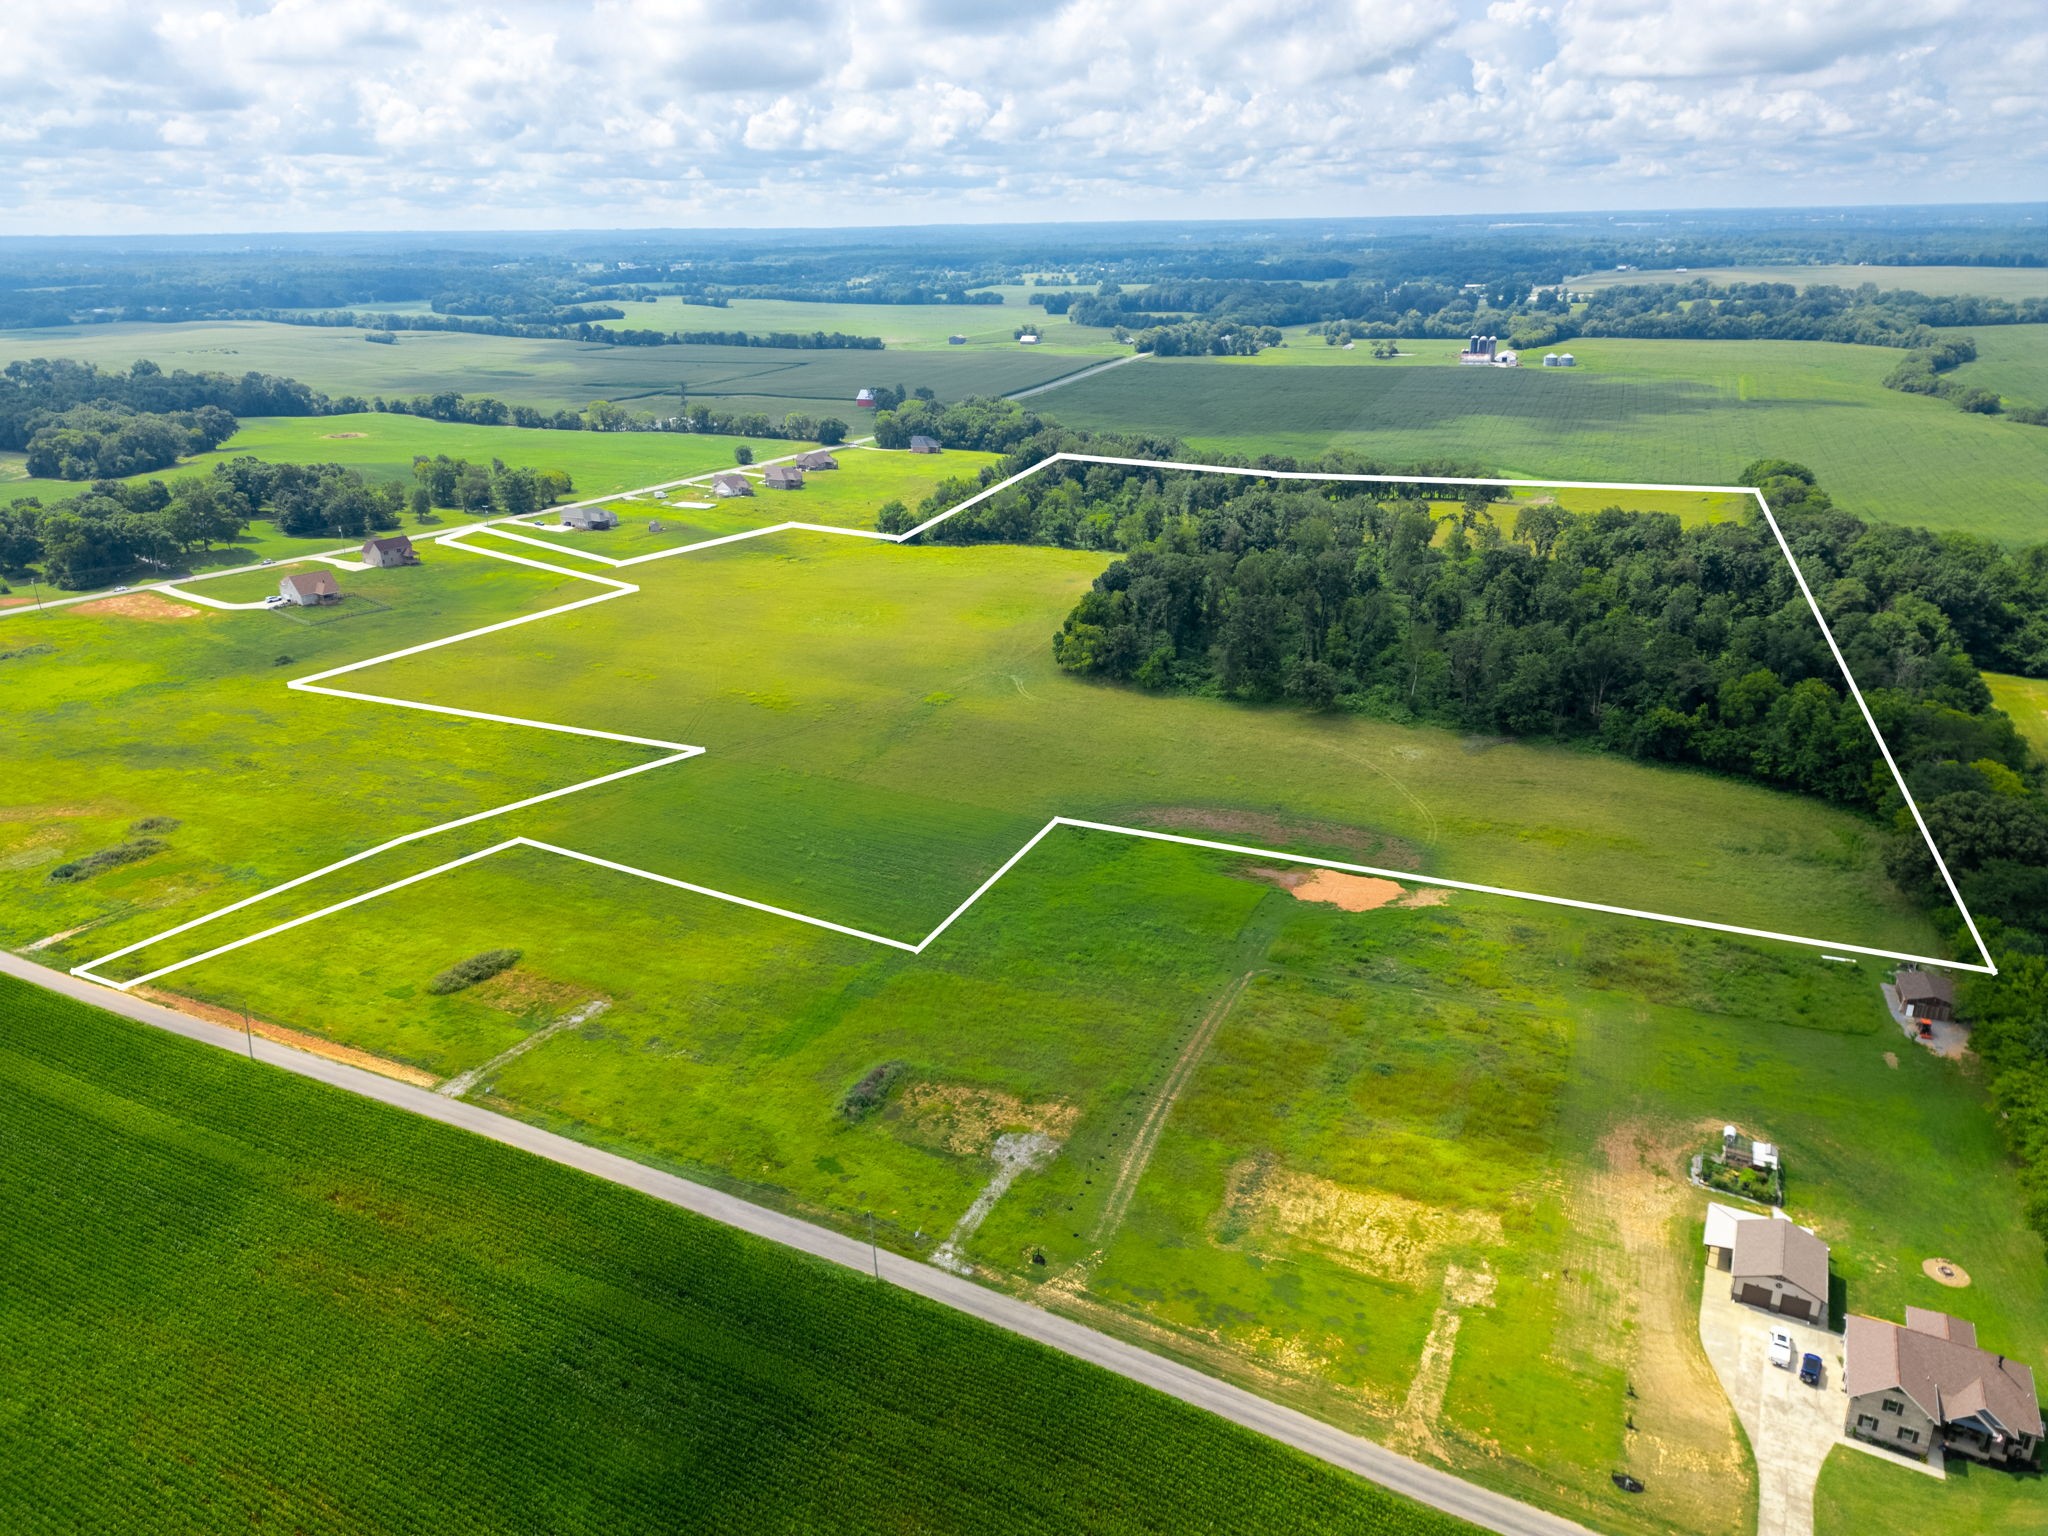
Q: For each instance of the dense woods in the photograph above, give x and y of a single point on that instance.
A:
(34, 394)
(103, 442)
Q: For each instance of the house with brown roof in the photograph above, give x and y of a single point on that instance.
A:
(309, 589)
(817, 458)
(922, 444)
(1926, 994)
(731, 483)
(396, 550)
(783, 477)
(1929, 1384)
(1780, 1266)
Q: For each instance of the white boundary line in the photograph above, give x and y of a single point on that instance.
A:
(676, 752)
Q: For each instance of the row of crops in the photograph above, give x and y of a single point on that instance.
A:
(233, 1300)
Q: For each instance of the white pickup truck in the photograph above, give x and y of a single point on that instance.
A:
(1782, 1354)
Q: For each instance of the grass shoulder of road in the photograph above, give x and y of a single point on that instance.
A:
(204, 1255)
(1859, 1493)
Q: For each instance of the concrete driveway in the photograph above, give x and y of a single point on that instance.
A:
(1791, 1426)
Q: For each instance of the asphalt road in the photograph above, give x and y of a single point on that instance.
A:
(1426, 1485)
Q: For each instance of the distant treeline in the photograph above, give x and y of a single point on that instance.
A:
(34, 392)
(569, 325)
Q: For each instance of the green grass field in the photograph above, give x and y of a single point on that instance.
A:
(1686, 412)
(1508, 1089)
(1860, 1493)
(236, 1299)
(1979, 282)
(2012, 359)
(902, 327)
(2026, 700)
(552, 373)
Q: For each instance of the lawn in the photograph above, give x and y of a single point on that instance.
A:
(204, 1257)
(1680, 411)
(1861, 1493)
(553, 374)
(2026, 700)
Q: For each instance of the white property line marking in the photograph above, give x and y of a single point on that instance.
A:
(453, 539)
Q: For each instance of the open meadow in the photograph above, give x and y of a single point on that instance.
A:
(1409, 1159)
(1682, 411)
(901, 327)
(204, 1257)
(554, 374)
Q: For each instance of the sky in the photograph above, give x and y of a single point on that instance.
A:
(181, 117)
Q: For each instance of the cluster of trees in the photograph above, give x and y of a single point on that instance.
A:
(107, 441)
(480, 411)
(34, 391)
(1207, 338)
(94, 538)
(479, 488)
(1920, 372)
(986, 425)
(575, 323)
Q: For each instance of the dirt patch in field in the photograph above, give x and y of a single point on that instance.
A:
(335, 436)
(1280, 830)
(518, 991)
(298, 1039)
(1353, 893)
(1271, 1208)
(968, 1120)
(15, 602)
(1891, 1059)
(1945, 1272)
(140, 605)
(1628, 1296)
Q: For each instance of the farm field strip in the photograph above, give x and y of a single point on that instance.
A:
(676, 752)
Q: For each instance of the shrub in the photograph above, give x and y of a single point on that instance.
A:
(107, 858)
(157, 824)
(872, 1091)
(467, 973)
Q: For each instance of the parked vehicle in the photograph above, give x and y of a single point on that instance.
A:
(1809, 1370)
(1782, 1353)
(1626, 1483)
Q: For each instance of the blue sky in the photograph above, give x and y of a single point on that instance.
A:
(206, 115)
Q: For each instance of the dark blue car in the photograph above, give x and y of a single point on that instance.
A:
(1809, 1370)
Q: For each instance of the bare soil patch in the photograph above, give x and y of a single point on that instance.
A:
(1281, 830)
(338, 435)
(298, 1039)
(140, 605)
(1353, 893)
(1945, 1272)
(518, 991)
(1384, 1235)
(1891, 1059)
(15, 602)
(967, 1120)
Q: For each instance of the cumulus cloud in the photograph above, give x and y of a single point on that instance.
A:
(255, 114)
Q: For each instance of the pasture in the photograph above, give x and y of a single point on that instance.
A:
(2012, 359)
(554, 374)
(1936, 281)
(902, 327)
(2026, 700)
(204, 1256)
(1689, 412)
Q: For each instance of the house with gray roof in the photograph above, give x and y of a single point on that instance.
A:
(588, 518)
(731, 483)
(922, 444)
(1782, 1267)
(396, 550)
(817, 458)
(1929, 1384)
(783, 477)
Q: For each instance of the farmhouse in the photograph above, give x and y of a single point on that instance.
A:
(731, 483)
(1780, 1266)
(1928, 1383)
(924, 445)
(817, 458)
(866, 399)
(310, 589)
(1926, 994)
(396, 550)
(590, 517)
(784, 477)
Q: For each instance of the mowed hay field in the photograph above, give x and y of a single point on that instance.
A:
(1691, 412)
(383, 446)
(238, 1299)
(554, 374)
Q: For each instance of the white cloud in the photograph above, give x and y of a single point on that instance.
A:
(249, 114)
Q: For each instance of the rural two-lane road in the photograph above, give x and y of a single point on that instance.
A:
(1426, 1485)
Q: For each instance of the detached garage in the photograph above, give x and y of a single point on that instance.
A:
(1781, 1267)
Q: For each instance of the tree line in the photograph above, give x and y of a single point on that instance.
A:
(576, 323)
(34, 391)
(107, 441)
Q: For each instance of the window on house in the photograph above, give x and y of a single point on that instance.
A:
(1910, 1436)
(1866, 1421)
(1893, 1405)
